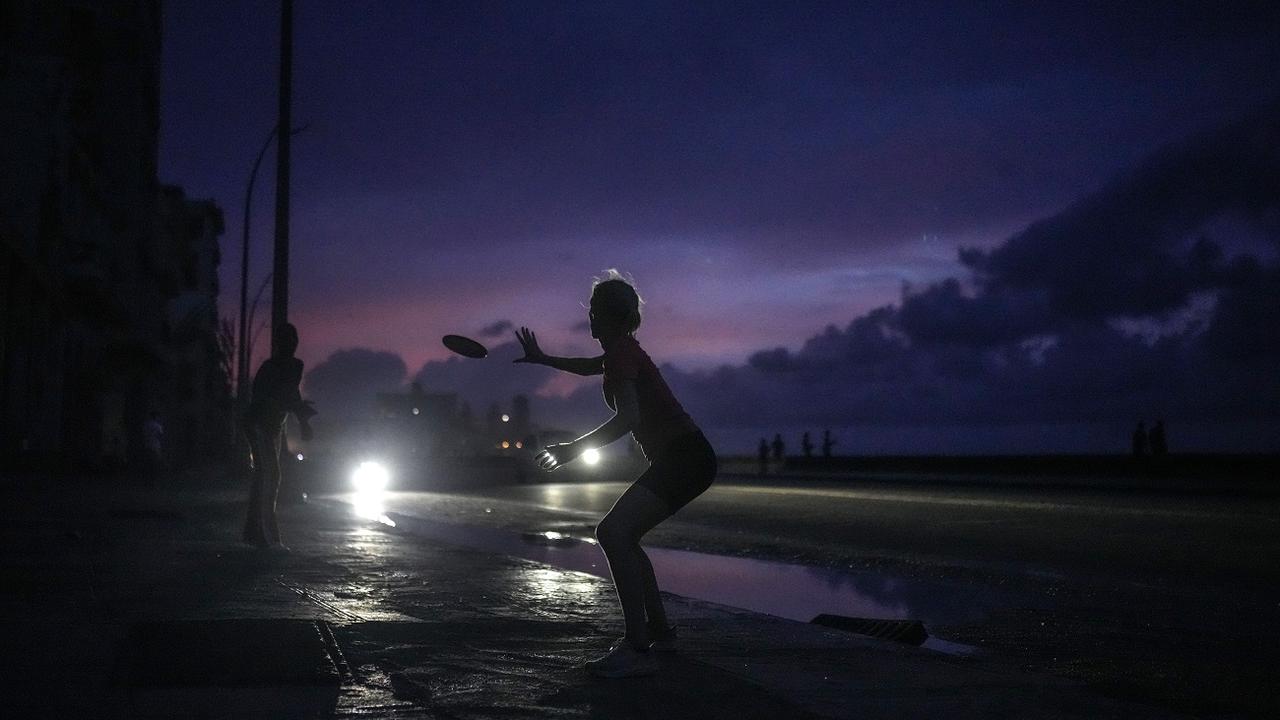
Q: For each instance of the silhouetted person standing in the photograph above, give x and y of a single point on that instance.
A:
(682, 465)
(779, 448)
(763, 452)
(1159, 446)
(806, 445)
(275, 395)
(827, 442)
(1140, 446)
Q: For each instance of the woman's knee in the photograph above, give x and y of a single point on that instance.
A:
(615, 532)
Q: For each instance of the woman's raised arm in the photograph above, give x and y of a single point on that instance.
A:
(534, 355)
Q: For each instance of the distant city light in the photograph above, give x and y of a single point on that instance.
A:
(591, 457)
(416, 411)
(301, 457)
(505, 444)
(506, 418)
(519, 444)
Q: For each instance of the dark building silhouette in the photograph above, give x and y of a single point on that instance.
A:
(418, 423)
(493, 422)
(521, 422)
(197, 357)
(109, 279)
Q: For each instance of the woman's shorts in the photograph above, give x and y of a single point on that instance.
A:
(682, 472)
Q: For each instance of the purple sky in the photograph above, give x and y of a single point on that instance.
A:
(763, 171)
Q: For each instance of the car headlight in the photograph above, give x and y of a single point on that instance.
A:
(370, 476)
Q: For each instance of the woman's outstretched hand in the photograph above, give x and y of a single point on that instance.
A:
(529, 343)
(554, 456)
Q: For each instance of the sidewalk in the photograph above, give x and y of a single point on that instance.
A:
(127, 603)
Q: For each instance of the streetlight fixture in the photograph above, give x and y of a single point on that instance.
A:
(243, 357)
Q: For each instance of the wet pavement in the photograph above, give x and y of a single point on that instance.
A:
(786, 590)
(409, 626)
(1161, 597)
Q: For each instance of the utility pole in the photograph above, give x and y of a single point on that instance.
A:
(280, 280)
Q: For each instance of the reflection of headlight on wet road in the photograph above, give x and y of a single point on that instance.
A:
(370, 477)
(368, 505)
(591, 457)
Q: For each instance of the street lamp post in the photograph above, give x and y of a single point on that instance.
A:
(243, 357)
(242, 346)
(280, 273)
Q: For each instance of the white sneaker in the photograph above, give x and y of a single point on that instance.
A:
(623, 661)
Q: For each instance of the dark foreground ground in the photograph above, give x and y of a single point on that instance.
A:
(1164, 594)
(123, 602)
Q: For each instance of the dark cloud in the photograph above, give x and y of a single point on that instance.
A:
(943, 314)
(1032, 335)
(1132, 248)
(501, 327)
(1243, 328)
(495, 379)
(345, 385)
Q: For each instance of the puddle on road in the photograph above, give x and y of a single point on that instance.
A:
(795, 592)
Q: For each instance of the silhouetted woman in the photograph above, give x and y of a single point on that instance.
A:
(275, 395)
(681, 467)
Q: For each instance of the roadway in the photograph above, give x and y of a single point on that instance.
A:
(1161, 597)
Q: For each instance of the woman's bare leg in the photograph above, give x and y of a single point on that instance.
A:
(619, 533)
(253, 532)
(271, 487)
(655, 612)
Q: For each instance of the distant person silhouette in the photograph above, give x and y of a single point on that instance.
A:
(806, 445)
(827, 443)
(682, 466)
(763, 452)
(1159, 446)
(779, 448)
(1140, 445)
(275, 395)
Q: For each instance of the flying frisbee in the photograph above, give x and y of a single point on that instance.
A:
(465, 346)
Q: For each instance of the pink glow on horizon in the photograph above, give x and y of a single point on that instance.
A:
(722, 331)
(696, 317)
